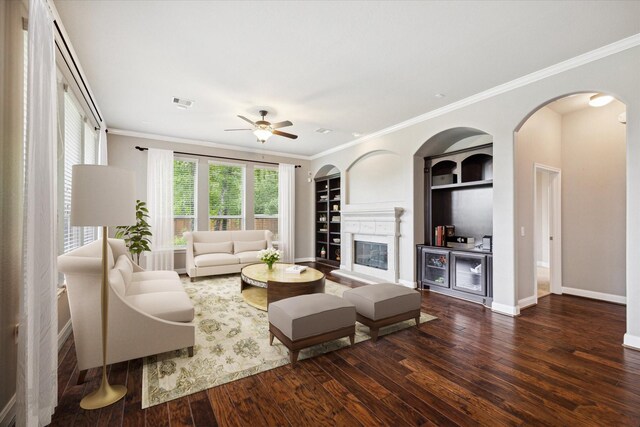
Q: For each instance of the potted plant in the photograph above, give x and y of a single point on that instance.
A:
(136, 237)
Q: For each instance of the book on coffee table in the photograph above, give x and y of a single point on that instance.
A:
(295, 269)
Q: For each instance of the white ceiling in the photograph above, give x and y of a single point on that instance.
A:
(571, 103)
(346, 66)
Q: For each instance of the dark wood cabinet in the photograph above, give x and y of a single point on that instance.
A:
(328, 220)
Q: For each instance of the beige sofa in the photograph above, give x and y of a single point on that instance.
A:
(149, 311)
(223, 252)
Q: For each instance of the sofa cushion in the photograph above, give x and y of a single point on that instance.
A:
(159, 285)
(383, 300)
(256, 245)
(126, 268)
(117, 282)
(309, 315)
(213, 248)
(172, 306)
(248, 257)
(140, 276)
(213, 260)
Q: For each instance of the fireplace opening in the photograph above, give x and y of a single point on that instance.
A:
(371, 254)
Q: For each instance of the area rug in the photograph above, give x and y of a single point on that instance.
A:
(232, 342)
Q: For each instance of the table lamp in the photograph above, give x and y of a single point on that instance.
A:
(102, 196)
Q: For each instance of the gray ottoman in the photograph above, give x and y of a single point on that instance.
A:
(307, 320)
(384, 304)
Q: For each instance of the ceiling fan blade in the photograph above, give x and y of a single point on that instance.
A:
(286, 135)
(281, 124)
(227, 130)
(247, 120)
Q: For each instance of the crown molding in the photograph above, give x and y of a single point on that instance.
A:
(560, 67)
(202, 143)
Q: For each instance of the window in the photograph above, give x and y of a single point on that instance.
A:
(265, 204)
(79, 146)
(185, 172)
(226, 197)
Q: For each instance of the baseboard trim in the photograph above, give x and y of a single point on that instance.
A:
(618, 299)
(308, 259)
(64, 334)
(507, 310)
(8, 412)
(631, 341)
(527, 302)
(408, 283)
(356, 276)
(180, 270)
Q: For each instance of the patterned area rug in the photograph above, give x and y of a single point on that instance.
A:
(232, 342)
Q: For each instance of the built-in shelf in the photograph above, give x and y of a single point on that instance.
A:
(327, 230)
(486, 182)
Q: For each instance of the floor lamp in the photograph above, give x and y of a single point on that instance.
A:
(102, 196)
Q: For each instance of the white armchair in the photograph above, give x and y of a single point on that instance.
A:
(149, 312)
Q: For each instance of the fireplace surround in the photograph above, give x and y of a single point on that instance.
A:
(377, 228)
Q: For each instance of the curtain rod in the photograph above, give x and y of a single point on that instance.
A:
(218, 157)
(90, 102)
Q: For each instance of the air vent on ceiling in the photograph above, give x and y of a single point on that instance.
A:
(323, 130)
(182, 103)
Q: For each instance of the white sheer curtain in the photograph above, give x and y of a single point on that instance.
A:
(286, 210)
(37, 389)
(102, 146)
(160, 203)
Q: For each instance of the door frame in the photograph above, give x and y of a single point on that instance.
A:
(555, 228)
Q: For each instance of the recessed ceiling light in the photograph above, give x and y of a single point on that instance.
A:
(323, 130)
(182, 103)
(356, 134)
(600, 99)
(440, 95)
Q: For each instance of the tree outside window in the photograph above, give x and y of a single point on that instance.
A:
(265, 186)
(226, 197)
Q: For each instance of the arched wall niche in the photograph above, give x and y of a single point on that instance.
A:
(326, 170)
(364, 183)
(445, 141)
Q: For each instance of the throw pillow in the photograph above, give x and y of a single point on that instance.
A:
(249, 246)
(213, 248)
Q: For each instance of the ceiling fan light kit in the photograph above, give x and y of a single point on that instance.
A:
(263, 130)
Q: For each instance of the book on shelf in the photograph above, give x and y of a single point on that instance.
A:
(443, 234)
(295, 269)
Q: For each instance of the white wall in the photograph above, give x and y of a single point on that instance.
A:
(594, 200)
(123, 154)
(499, 116)
(538, 141)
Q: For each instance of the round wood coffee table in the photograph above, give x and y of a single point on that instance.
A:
(260, 286)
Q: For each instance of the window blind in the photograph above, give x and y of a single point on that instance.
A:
(226, 196)
(184, 197)
(72, 155)
(265, 207)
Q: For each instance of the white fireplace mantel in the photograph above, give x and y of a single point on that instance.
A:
(371, 225)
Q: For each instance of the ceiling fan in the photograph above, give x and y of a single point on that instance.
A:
(263, 129)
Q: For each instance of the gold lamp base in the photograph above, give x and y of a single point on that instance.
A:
(104, 396)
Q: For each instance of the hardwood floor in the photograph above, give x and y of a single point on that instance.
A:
(559, 363)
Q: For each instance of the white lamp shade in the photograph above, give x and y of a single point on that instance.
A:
(102, 196)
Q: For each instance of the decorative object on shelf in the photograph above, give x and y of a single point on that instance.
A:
(335, 218)
(336, 240)
(136, 236)
(337, 252)
(324, 197)
(323, 230)
(477, 269)
(323, 253)
(102, 196)
(487, 243)
(336, 207)
(269, 257)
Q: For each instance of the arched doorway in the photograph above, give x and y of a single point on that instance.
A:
(570, 178)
